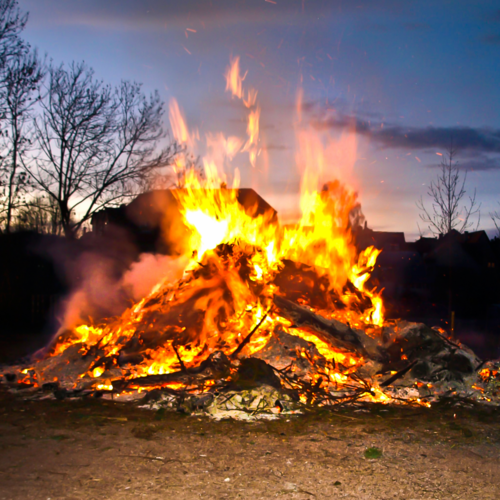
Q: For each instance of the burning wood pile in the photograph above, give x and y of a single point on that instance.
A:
(265, 318)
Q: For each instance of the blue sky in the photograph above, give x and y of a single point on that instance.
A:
(409, 74)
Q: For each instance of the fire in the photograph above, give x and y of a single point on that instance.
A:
(234, 84)
(239, 263)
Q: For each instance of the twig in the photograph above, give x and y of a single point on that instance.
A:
(146, 457)
(442, 337)
(246, 340)
(183, 366)
(399, 374)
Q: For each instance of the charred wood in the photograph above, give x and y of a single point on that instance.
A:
(331, 331)
(216, 366)
(398, 375)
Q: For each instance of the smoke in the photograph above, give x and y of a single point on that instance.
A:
(97, 292)
(104, 292)
(151, 269)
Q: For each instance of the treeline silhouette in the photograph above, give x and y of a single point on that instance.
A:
(70, 144)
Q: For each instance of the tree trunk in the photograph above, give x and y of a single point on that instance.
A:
(12, 181)
(68, 228)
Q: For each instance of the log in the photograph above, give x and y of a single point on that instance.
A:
(216, 366)
(332, 332)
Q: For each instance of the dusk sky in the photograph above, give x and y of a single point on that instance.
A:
(410, 75)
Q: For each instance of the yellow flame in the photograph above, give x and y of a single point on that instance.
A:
(234, 82)
(178, 123)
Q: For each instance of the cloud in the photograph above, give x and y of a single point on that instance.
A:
(474, 161)
(135, 14)
(342, 121)
(162, 13)
(479, 148)
(396, 136)
(477, 139)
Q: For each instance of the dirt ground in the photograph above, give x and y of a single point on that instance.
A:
(94, 449)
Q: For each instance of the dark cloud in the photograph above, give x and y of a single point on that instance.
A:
(343, 121)
(363, 110)
(479, 147)
(475, 160)
(480, 164)
(477, 139)
(396, 136)
(163, 13)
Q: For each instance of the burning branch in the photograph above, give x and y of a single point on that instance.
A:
(246, 340)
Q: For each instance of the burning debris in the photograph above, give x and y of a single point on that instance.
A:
(233, 338)
(264, 319)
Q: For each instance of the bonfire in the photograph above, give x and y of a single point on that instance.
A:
(266, 317)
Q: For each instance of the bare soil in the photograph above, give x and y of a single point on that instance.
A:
(94, 449)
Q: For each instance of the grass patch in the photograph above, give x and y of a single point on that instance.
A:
(372, 453)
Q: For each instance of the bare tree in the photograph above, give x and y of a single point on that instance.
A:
(96, 144)
(495, 217)
(447, 193)
(40, 214)
(12, 50)
(20, 81)
(12, 23)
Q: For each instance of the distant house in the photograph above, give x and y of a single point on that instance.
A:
(461, 250)
(457, 271)
(153, 221)
(383, 240)
(424, 245)
(462, 269)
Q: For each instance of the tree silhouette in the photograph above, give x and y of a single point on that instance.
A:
(20, 74)
(21, 78)
(447, 192)
(96, 144)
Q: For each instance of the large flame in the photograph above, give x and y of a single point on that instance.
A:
(238, 257)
